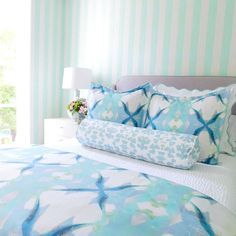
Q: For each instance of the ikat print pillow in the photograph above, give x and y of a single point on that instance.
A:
(203, 116)
(127, 107)
(227, 143)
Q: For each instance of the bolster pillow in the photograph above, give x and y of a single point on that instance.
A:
(159, 147)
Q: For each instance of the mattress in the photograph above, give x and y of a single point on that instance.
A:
(217, 182)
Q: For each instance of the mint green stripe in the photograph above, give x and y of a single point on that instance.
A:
(62, 54)
(167, 32)
(54, 57)
(121, 41)
(35, 74)
(44, 59)
(180, 37)
(227, 36)
(154, 41)
(195, 37)
(131, 37)
(142, 37)
(213, 4)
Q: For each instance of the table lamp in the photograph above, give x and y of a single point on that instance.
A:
(76, 78)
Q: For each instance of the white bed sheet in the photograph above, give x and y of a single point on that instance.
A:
(218, 182)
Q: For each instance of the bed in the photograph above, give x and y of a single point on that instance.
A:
(71, 189)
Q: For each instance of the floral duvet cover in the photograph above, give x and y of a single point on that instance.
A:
(48, 192)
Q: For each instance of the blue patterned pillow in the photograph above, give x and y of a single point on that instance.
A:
(159, 147)
(127, 107)
(203, 116)
(227, 143)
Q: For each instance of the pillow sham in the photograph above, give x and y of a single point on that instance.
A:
(232, 132)
(203, 116)
(227, 143)
(121, 107)
(158, 147)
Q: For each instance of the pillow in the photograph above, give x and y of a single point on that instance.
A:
(232, 131)
(121, 107)
(227, 144)
(203, 116)
(159, 147)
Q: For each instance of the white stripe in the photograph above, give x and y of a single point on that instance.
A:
(76, 17)
(67, 22)
(219, 33)
(148, 41)
(41, 52)
(173, 37)
(50, 63)
(115, 39)
(187, 37)
(88, 32)
(202, 38)
(137, 34)
(232, 55)
(94, 37)
(106, 36)
(125, 39)
(83, 31)
(92, 43)
(160, 37)
(32, 72)
(73, 32)
(65, 93)
(57, 62)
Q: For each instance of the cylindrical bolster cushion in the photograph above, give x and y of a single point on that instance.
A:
(159, 147)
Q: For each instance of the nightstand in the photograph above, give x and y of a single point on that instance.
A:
(59, 129)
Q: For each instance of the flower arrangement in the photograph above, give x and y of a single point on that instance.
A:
(77, 109)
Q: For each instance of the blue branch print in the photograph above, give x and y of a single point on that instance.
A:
(90, 111)
(152, 119)
(64, 229)
(31, 164)
(29, 221)
(101, 190)
(205, 125)
(131, 115)
(203, 221)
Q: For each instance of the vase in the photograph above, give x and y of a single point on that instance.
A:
(76, 116)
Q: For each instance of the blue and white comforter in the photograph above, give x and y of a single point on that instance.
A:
(47, 192)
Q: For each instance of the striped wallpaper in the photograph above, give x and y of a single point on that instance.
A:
(167, 37)
(120, 37)
(48, 43)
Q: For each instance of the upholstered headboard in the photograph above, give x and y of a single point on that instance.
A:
(187, 82)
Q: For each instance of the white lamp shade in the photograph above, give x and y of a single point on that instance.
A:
(76, 78)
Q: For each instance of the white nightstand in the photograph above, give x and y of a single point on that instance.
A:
(59, 129)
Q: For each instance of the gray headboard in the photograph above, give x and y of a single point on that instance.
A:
(187, 82)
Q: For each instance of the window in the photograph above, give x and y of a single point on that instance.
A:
(15, 46)
(7, 85)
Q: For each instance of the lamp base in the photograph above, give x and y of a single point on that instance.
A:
(76, 117)
(76, 94)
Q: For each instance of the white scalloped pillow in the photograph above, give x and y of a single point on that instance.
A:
(228, 142)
